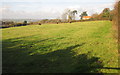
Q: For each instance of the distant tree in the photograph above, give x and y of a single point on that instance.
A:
(105, 15)
(64, 16)
(6, 24)
(73, 13)
(69, 15)
(95, 16)
(83, 14)
(25, 23)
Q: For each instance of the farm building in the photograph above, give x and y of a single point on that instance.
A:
(86, 17)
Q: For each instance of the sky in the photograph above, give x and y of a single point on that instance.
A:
(50, 9)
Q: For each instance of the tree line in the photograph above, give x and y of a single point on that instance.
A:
(7, 24)
(106, 14)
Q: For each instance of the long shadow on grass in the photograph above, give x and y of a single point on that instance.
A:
(17, 41)
(59, 61)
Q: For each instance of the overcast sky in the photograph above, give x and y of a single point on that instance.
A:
(47, 9)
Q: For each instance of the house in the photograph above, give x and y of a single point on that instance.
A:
(86, 17)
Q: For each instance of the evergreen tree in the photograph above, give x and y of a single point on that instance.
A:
(83, 14)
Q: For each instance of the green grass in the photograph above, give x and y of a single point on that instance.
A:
(87, 47)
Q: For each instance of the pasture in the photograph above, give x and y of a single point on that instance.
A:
(87, 47)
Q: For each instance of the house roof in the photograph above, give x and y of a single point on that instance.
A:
(86, 16)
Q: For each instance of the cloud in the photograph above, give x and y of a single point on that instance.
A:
(57, 0)
(34, 10)
(45, 12)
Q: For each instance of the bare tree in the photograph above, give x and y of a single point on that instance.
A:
(69, 15)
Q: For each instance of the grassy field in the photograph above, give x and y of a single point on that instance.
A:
(87, 47)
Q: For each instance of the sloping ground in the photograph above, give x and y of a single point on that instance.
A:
(86, 47)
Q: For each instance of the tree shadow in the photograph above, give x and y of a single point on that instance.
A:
(109, 68)
(59, 61)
